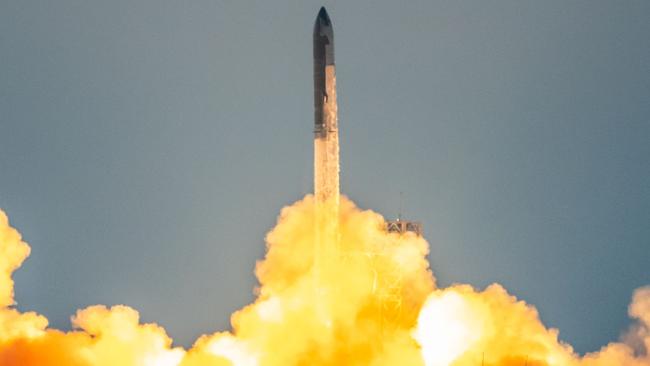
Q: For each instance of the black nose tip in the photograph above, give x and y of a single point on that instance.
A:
(323, 16)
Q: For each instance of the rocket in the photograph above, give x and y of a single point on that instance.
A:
(326, 149)
(326, 133)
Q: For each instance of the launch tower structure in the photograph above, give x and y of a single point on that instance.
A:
(404, 226)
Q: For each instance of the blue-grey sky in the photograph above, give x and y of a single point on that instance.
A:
(146, 147)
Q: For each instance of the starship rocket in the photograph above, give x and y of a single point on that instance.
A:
(326, 132)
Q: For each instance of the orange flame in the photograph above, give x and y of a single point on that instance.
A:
(371, 300)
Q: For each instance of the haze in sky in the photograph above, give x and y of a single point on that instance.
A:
(146, 147)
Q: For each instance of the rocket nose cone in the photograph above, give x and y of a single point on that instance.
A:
(323, 38)
(323, 16)
(323, 24)
(323, 21)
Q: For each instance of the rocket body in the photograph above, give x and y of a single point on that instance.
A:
(326, 154)
(326, 134)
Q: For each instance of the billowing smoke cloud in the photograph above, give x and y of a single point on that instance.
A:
(369, 299)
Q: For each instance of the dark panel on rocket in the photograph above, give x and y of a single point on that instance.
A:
(323, 56)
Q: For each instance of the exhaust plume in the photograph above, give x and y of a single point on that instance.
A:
(376, 304)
